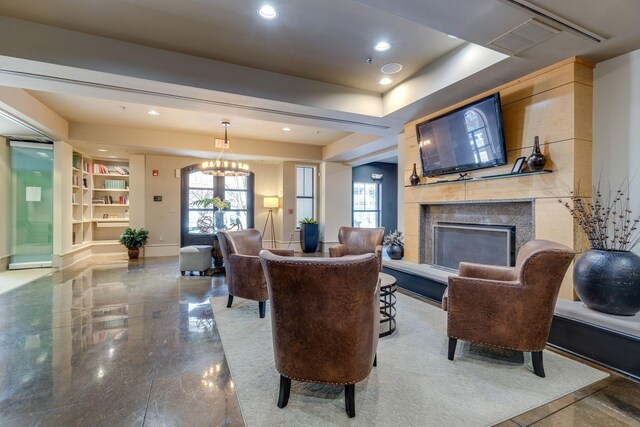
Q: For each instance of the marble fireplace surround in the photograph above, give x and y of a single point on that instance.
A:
(519, 213)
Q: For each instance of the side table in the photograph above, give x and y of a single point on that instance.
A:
(388, 289)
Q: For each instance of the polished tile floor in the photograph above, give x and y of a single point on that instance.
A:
(119, 344)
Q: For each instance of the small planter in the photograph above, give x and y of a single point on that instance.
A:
(309, 238)
(609, 281)
(134, 253)
(395, 251)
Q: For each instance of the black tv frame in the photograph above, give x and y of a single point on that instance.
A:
(469, 166)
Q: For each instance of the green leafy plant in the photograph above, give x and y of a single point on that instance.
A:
(134, 239)
(395, 238)
(308, 221)
(216, 202)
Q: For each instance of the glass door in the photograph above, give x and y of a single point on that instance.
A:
(31, 208)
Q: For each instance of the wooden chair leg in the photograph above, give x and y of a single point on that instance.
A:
(285, 390)
(375, 360)
(538, 366)
(452, 347)
(350, 399)
(230, 300)
(182, 273)
(262, 305)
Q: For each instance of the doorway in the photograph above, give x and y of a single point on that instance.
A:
(31, 205)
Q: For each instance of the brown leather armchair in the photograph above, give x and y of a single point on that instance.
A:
(358, 241)
(245, 278)
(325, 315)
(509, 307)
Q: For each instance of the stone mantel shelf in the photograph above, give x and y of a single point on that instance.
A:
(482, 178)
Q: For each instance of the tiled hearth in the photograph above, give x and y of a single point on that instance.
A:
(517, 213)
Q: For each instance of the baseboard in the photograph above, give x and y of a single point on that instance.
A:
(169, 249)
(4, 262)
(614, 350)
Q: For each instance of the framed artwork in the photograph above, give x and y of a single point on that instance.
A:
(517, 166)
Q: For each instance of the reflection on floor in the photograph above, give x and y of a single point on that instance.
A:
(135, 344)
(114, 345)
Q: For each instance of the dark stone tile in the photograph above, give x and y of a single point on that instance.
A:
(544, 411)
(116, 407)
(194, 399)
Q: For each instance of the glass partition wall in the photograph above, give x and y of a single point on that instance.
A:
(31, 205)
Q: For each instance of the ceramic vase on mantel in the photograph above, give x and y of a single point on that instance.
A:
(414, 179)
(609, 281)
(536, 160)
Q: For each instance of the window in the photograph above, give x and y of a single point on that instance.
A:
(305, 189)
(236, 193)
(199, 223)
(366, 205)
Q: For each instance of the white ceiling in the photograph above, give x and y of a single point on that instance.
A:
(324, 40)
(86, 79)
(80, 109)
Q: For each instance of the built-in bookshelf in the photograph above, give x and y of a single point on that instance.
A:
(99, 199)
(109, 198)
(80, 196)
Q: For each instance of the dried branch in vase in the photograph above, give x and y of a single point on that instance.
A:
(609, 225)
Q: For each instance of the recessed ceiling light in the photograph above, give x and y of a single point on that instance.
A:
(113, 157)
(153, 113)
(385, 81)
(382, 46)
(286, 129)
(267, 12)
(102, 149)
(391, 68)
(452, 37)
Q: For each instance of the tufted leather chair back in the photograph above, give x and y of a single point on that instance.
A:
(325, 316)
(360, 241)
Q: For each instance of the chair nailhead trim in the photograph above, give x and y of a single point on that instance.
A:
(323, 382)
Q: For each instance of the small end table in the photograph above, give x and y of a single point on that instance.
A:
(388, 289)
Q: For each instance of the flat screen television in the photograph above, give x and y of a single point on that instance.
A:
(464, 139)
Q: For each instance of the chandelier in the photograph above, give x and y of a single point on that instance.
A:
(220, 167)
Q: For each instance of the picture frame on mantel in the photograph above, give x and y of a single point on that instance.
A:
(517, 166)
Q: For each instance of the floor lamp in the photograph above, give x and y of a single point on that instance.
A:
(270, 202)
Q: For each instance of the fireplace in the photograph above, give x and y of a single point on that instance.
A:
(509, 223)
(479, 243)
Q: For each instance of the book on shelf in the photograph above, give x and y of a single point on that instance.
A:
(115, 184)
(84, 183)
(110, 200)
(73, 197)
(76, 180)
(76, 161)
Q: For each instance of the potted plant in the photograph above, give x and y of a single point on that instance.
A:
(607, 277)
(218, 216)
(308, 235)
(394, 243)
(133, 240)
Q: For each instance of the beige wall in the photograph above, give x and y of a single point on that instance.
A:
(553, 103)
(616, 128)
(4, 203)
(62, 209)
(335, 201)
(162, 219)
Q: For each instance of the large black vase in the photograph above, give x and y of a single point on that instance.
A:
(609, 281)
(395, 251)
(309, 238)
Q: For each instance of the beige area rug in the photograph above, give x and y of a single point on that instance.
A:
(414, 384)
